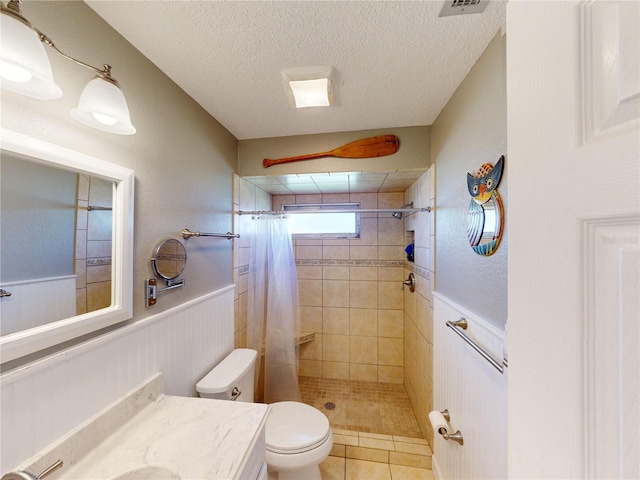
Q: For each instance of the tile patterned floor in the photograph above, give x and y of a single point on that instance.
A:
(371, 456)
(392, 450)
(398, 450)
(375, 432)
(335, 468)
(362, 406)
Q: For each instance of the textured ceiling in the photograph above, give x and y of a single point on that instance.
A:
(396, 63)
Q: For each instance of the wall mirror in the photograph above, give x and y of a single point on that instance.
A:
(67, 244)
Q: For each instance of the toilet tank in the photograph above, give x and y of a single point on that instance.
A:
(232, 378)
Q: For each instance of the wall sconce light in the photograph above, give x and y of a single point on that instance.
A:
(309, 86)
(25, 69)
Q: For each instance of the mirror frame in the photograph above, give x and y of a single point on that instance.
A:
(19, 344)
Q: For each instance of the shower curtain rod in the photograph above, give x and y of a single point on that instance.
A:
(346, 210)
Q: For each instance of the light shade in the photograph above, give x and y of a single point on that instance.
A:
(311, 93)
(103, 106)
(24, 65)
(309, 86)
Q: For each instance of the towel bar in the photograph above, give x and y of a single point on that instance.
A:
(459, 327)
(187, 234)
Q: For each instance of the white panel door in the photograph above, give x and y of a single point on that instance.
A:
(573, 93)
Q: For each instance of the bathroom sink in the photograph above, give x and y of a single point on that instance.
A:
(148, 472)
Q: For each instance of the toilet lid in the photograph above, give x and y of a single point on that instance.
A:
(294, 427)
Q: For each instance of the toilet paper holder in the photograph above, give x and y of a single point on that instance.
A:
(455, 437)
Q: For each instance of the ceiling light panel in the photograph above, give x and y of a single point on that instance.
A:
(309, 86)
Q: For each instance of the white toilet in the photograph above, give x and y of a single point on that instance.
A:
(298, 436)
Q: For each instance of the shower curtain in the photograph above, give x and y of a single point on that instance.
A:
(273, 324)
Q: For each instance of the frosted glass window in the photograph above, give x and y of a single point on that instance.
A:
(333, 224)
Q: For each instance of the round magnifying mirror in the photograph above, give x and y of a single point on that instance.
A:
(169, 259)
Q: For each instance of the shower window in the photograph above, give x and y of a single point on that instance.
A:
(330, 225)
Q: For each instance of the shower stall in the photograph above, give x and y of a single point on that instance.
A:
(364, 343)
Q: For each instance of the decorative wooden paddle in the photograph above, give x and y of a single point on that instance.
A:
(379, 146)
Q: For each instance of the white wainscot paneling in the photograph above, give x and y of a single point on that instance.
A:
(45, 400)
(474, 392)
(36, 302)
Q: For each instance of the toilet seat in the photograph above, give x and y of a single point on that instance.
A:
(294, 427)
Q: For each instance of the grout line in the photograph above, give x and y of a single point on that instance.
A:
(389, 458)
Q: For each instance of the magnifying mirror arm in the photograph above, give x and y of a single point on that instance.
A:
(152, 290)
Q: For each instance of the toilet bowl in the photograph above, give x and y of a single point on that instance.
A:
(298, 436)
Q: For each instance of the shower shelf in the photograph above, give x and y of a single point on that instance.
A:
(303, 337)
(306, 338)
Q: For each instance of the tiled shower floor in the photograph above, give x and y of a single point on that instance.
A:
(369, 407)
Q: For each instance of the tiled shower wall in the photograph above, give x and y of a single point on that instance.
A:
(93, 244)
(351, 294)
(418, 306)
(245, 197)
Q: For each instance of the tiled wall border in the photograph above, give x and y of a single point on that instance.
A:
(353, 263)
(423, 272)
(99, 261)
(244, 269)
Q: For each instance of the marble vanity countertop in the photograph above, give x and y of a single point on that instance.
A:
(146, 435)
(193, 437)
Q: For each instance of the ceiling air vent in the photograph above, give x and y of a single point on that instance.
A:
(462, 7)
